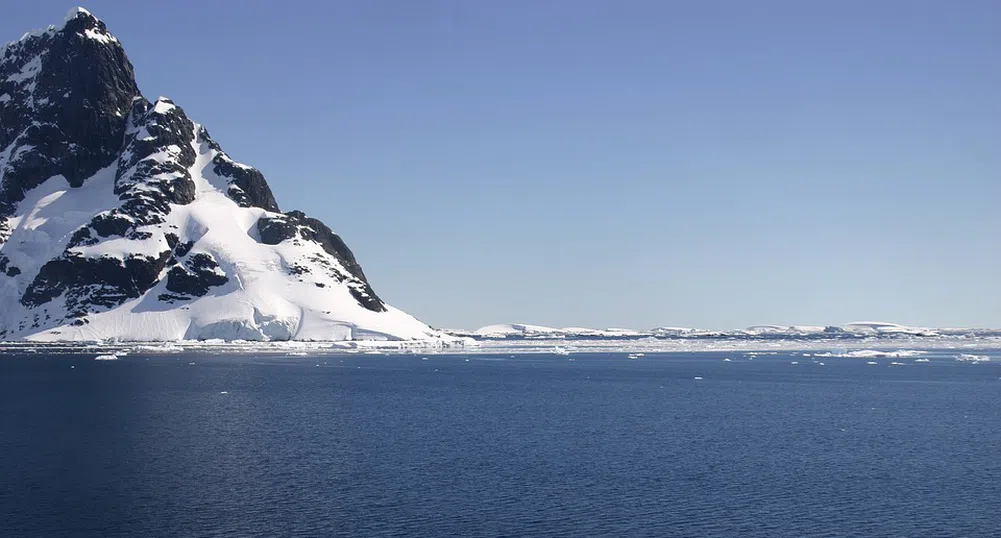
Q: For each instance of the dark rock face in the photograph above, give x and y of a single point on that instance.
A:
(109, 224)
(70, 107)
(247, 186)
(157, 128)
(7, 268)
(196, 276)
(68, 94)
(182, 249)
(89, 282)
(295, 225)
(145, 183)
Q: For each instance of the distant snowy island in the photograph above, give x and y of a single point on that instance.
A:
(858, 329)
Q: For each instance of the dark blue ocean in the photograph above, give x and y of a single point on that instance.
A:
(530, 445)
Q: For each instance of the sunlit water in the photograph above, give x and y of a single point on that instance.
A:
(529, 445)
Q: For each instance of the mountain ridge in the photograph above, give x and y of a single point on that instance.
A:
(122, 218)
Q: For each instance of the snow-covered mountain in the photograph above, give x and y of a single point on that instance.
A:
(122, 218)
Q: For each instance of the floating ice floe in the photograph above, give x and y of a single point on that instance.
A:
(969, 357)
(106, 358)
(873, 353)
(161, 348)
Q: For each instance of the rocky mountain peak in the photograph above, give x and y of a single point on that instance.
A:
(64, 93)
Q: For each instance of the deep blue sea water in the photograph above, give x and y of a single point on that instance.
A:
(530, 445)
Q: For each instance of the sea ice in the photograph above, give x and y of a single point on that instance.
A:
(969, 357)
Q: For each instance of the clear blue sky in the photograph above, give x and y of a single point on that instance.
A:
(638, 163)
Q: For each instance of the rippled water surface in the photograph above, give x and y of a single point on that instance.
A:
(530, 445)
